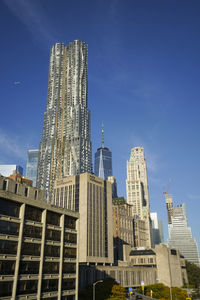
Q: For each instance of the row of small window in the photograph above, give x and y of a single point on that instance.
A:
(12, 209)
(31, 286)
(12, 228)
(7, 267)
(10, 247)
(142, 260)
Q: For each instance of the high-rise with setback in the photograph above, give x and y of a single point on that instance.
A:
(65, 149)
(180, 234)
(138, 196)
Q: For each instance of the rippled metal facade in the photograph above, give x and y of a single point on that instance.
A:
(65, 149)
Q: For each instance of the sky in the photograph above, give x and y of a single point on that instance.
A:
(143, 84)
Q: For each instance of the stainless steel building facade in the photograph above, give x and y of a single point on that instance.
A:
(38, 246)
(65, 149)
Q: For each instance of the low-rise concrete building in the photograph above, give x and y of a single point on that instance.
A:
(169, 263)
(38, 245)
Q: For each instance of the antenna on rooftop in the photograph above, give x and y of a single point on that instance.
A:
(102, 135)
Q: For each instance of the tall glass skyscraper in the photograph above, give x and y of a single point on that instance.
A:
(65, 149)
(32, 165)
(103, 161)
(180, 235)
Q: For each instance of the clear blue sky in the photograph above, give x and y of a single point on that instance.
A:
(144, 71)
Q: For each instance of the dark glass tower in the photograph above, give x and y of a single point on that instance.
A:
(103, 161)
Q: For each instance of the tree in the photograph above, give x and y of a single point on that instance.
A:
(161, 291)
(108, 289)
(193, 273)
(117, 292)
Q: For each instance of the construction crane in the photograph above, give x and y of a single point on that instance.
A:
(168, 186)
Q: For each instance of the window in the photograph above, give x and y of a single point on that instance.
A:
(32, 213)
(32, 231)
(4, 185)
(30, 249)
(70, 238)
(51, 268)
(9, 208)
(52, 235)
(68, 284)
(9, 228)
(6, 288)
(70, 222)
(26, 192)
(69, 268)
(53, 218)
(27, 287)
(29, 267)
(7, 267)
(8, 247)
(53, 251)
(69, 252)
(49, 285)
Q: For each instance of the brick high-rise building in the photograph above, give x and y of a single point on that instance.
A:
(138, 195)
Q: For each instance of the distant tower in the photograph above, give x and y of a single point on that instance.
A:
(65, 149)
(103, 161)
(31, 165)
(7, 170)
(180, 235)
(157, 229)
(138, 195)
(169, 206)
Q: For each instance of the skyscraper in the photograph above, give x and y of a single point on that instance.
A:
(180, 235)
(31, 165)
(138, 195)
(103, 161)
(157, 229)
(65, 149)
(7, 170)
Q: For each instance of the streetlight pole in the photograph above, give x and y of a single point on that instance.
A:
(94, 287)
(170, 275)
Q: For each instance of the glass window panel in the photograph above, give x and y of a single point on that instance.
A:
(70, 252)
(29, 267)
(69, 268)
(9, 228)
(68, 284)
(6, 288)
(52, 235)
(27, 287)
(53, 218)
(32, 231)
(51, 268)
(9, 208)
(70, 222)
(32, 213)
(30, 249)
(53, 251)
(70, 238)
(8, 247)
(49, 285)
(7, 267)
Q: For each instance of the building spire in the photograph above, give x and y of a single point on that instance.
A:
(102, 135)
